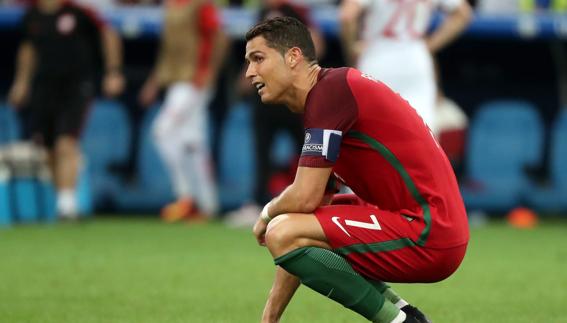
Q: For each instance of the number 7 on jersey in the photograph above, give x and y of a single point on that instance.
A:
(374, 225)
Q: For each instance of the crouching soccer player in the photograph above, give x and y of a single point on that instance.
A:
(412, 227)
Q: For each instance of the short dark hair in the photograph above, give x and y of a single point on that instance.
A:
(283, 33)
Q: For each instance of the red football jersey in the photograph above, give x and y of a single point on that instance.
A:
(380, 147)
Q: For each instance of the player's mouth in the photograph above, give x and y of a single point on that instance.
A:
(259, 86)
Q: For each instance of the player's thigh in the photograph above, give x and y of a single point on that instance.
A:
(288, 232)
(43, 112)
(182, 113)
(173, 112)
(346, 225)
(403, 262)
(75, 103)
(378, 244)
(195, 128)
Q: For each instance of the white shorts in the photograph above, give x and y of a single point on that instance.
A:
(183, 114)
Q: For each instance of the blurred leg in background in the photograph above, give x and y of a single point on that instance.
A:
(58, 111)
(180, 136)
(189, 59)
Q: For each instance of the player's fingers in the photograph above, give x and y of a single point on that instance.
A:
(113, 85)
(146, 97)
(16, 96)
(261, 240)
(17, 101)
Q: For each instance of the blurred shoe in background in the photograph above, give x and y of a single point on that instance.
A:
(244, 217)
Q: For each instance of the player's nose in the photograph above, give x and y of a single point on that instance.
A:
(250, 71)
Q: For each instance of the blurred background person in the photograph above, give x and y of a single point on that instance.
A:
(192, 49)
(498, 6)
(138, 2)
(99, 5)
(55, 77)
(394, 46)
(270, 121)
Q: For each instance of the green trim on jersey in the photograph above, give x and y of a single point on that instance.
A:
(393, 160)
(390, 245)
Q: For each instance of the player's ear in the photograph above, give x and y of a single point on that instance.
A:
(294, 55)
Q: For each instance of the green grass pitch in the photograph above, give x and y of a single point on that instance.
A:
(141, 270)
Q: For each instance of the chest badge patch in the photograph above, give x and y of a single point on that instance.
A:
(66, 23)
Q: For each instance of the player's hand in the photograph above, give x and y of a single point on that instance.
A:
(430, 45)
(113, 84)
(355, 51)
(259, 231)
(18, 94)
(148, 94)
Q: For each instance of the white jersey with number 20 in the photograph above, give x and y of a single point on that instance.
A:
(395, 52)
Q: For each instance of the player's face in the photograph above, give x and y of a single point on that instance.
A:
(267, 71)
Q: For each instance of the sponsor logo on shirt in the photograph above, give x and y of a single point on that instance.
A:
(66, 23)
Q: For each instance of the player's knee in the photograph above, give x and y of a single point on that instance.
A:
(65, 146)
(280, 234)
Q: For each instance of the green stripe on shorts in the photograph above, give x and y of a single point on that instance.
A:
(389, 245)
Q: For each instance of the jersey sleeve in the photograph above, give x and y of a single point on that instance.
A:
(449, 5)
(209, 26)
(331, 111)
(209, 21)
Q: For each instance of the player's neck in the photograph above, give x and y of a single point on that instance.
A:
(49, 6)
(306, 80)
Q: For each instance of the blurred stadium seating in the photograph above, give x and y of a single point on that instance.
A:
(505, 138)
(152, 188)
(553, 197)
(10, 129)
(105, 143)
(5, 200)
(145, 21)
(237, 164)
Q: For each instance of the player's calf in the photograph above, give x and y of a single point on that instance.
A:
(332, 276)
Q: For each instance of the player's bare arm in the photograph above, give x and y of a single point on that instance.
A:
(113, 82)
(318, 41)
(25, 67)
(220, 46)
(349, 14)
(453, 25)
(150, 90)
(283, 289)
(220, 43)
(304, 195)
